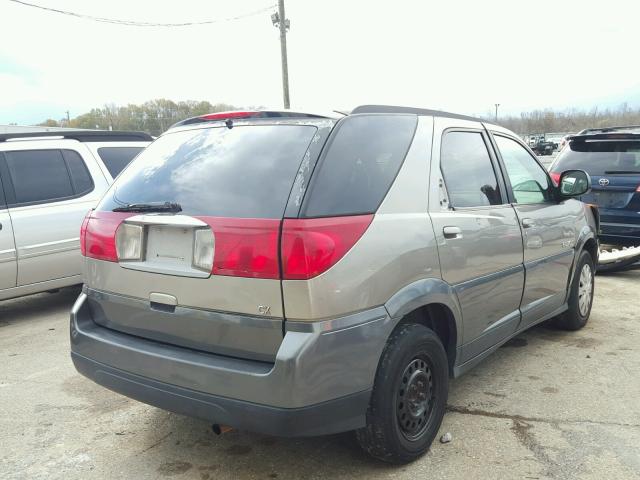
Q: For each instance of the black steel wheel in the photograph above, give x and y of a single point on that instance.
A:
(409, 396)
(414, 398)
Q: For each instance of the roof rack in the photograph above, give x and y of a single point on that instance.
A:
(416, 111)
(83, 135)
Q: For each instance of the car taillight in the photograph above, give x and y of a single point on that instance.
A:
(203, 249)
(312, 246)
(638, 189)
(245, 247)
(98, 234)
(83, 233)
(555, 176)
(229, 115)
(129, 239)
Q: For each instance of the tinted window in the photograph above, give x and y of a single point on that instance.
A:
(38, 175)
(529, 181)
(3, 202)
(116, 158)
(600, 158)
(245, 171)
(362, 160)
(80, 177)
(467, 170)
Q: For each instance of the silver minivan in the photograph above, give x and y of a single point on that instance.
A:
(48, 182)
(297, 274)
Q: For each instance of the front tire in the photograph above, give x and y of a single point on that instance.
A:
(580, 296)
(409, 396)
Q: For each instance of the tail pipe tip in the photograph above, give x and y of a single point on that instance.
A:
(220, 429)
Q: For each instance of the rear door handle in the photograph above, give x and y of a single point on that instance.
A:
(528, 223)
(452, 232)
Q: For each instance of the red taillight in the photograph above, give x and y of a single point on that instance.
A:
(555, 176)
(248, 247)
(638, 189)
(245, 247)
(83, 233)
(98, 234)
(312, 246)
(226, 115)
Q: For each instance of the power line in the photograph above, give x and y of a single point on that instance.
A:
(133, 23)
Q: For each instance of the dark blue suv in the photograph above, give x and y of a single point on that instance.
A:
(612, 157)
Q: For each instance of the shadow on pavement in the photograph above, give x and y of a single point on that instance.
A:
(32, 306)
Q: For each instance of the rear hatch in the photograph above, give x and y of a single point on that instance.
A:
(613, 162)
(184, 247)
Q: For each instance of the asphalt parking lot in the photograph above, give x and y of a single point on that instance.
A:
(549, 404)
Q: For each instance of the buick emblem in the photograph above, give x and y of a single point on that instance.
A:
(604, 182)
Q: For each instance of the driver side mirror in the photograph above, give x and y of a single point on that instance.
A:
(574, 183)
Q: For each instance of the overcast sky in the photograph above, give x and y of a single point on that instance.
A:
(462, 56)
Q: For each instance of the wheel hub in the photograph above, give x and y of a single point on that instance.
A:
(414, 398)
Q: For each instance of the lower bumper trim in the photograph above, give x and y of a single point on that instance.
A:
(339, 415)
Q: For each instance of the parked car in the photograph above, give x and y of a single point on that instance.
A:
(611, 156)
(48, 182)
(542, 147)
(302, 275)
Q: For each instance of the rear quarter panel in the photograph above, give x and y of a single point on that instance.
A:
(397, 249)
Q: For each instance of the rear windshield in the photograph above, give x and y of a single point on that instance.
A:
(116, 158)
(246, 171)
(601, 158)
(361, 161)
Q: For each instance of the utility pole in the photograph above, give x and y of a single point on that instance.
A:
(497, 105)
(279, 20)
(68, 119)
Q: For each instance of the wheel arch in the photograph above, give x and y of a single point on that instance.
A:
(434, 304)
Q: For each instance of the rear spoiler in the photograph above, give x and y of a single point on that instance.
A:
(239, 115)
(605, 136)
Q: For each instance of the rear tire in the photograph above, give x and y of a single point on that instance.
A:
(581, 295)
(409, 396)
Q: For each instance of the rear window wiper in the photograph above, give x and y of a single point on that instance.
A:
(622, 172)
(150, 207)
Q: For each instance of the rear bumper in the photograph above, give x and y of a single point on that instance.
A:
(619, 227)
(320, 382)
(337, 415)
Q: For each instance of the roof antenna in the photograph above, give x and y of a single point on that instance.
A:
(229, 123)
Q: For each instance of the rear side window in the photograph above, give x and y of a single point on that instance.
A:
(362, 160)
(116, 158)
(38, 175)
(600, 157)
(468, 172)
(246, 171)
(3, 202)
(80, 177)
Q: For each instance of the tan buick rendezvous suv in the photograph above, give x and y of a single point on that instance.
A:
(297, 274)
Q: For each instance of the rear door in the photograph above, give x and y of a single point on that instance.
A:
(548, 226)
(232, 183)
(478, 234)
(49, 191)
(8, 264)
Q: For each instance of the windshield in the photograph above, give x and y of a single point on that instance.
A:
(246, 171)
(601, 157)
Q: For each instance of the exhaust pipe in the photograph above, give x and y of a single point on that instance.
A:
(220, 429)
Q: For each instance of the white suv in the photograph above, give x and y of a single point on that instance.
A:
(48, 182)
